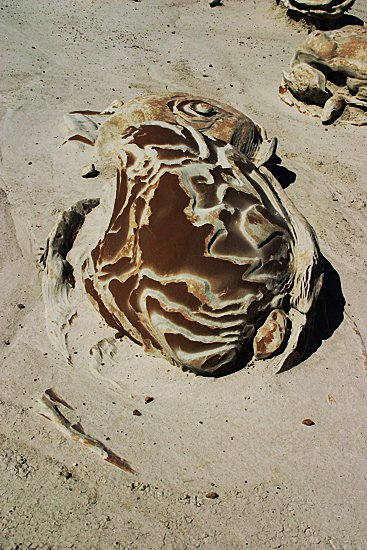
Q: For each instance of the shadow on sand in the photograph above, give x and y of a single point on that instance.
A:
(327, 316)
(325, 24)
(284, 176)
(329, 310)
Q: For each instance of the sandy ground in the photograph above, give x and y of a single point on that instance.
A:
(281, 484)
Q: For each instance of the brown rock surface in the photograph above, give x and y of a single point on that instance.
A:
(280, 482)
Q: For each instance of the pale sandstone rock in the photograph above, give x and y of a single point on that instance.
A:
(326, 64)
(271, 335)
(80, 128)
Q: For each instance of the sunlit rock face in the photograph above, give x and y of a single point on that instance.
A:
(197, 253)
(341, 51)
(329, 69)
(209, 117)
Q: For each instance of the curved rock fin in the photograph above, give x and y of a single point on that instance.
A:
(58, 279)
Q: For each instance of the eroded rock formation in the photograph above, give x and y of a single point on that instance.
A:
(319, 9)
(203, 254)
(329, 73)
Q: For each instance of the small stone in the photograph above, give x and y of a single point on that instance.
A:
(89, 171)
(21, 306)
(116, 103)
(308, 422)
(148, 399)
(333, 108)
(136, 412)
(212, 495)
(270, 336)
(357, 204)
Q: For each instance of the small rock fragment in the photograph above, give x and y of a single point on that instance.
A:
(270, 336)
(214, 3)
(308, 422)
(307, 84)
(136, 412)
(354, 84)
(80, 128)
(89, 171)
(330, 399)
(116, 103)
(333, 108)
(362, 93)
(148, 399)
(51, 412)
(212, 495)
(21, 306)
(358, 204)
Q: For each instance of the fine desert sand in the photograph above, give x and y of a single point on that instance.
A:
(222, 462)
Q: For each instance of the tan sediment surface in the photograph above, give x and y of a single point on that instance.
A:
(281, 483)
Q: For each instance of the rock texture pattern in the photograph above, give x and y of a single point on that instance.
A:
(203, 251)
(329, 69)
(319, 9)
